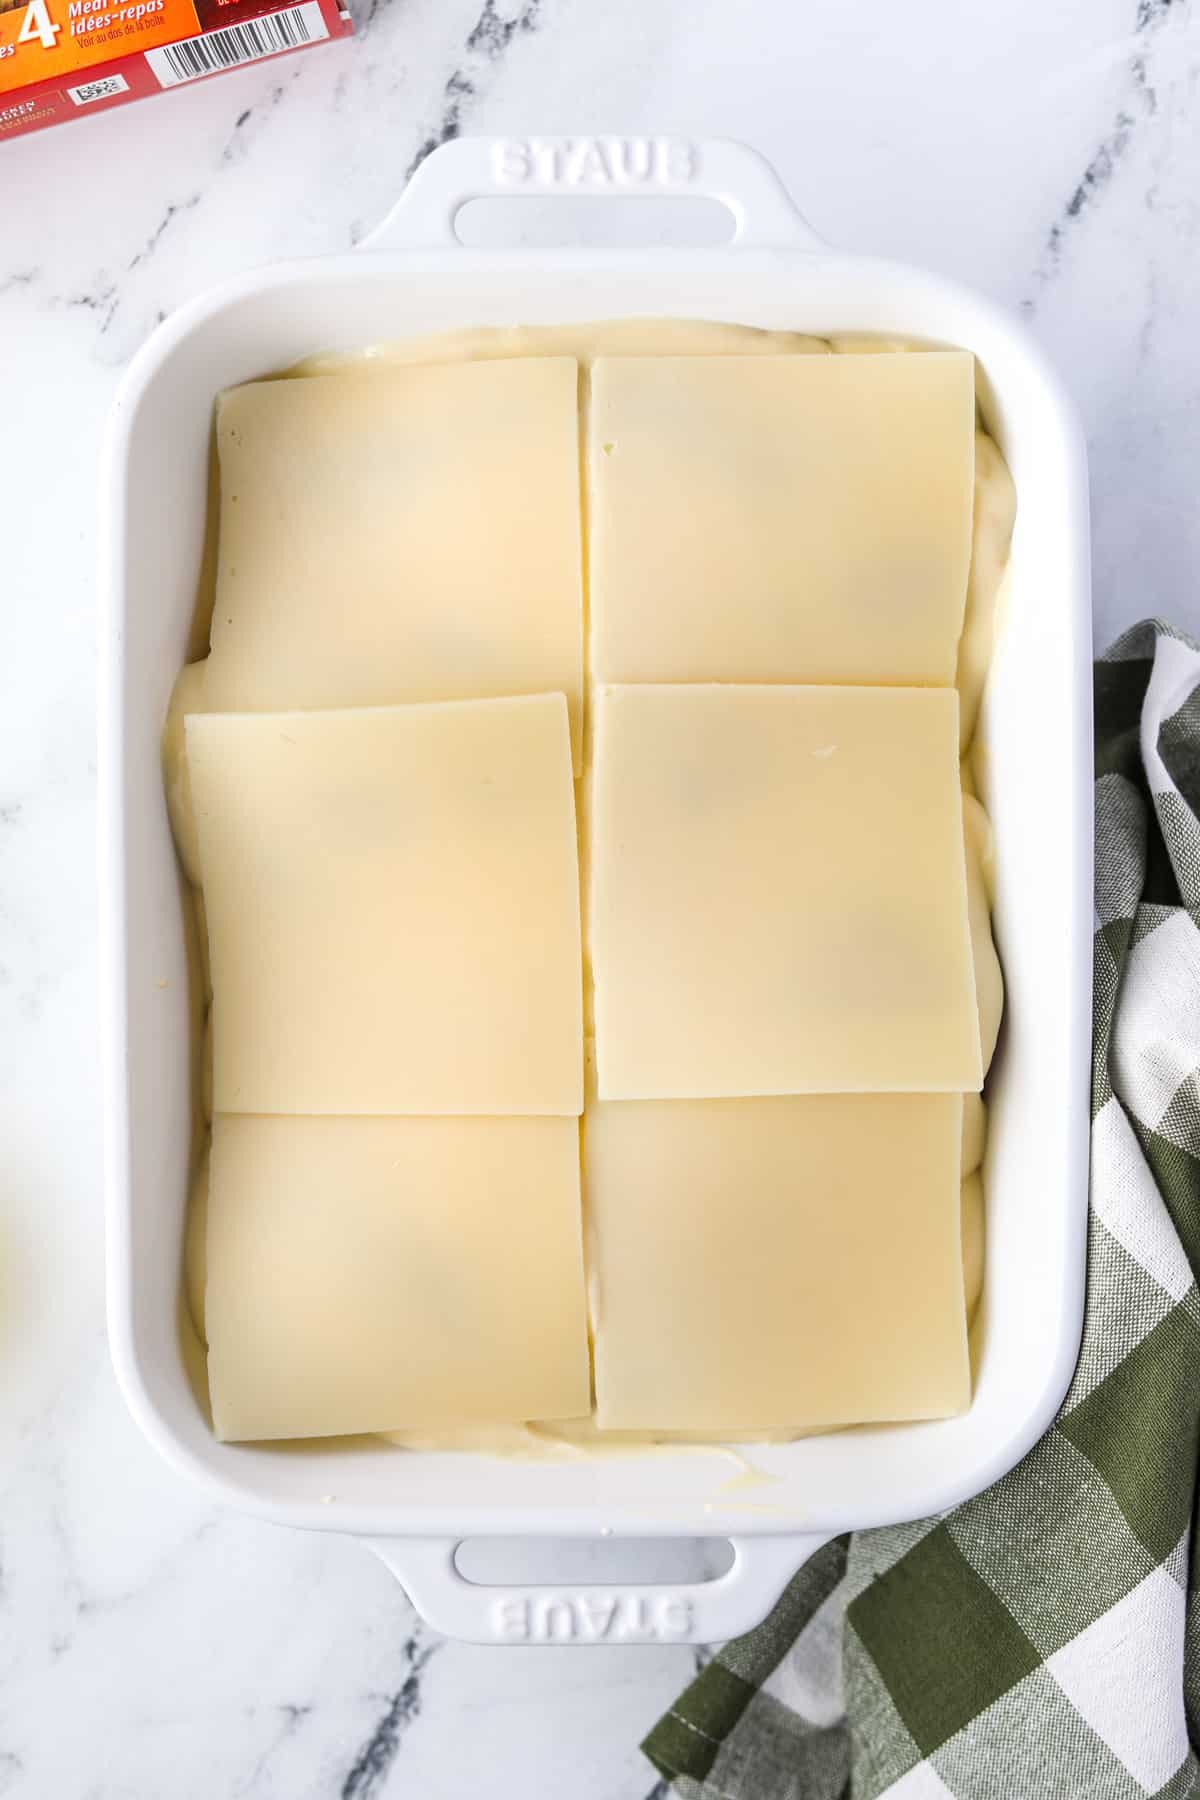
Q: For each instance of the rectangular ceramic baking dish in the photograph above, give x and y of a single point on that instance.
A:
(414, 276)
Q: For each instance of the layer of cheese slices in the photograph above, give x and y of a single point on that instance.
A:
(371, 778)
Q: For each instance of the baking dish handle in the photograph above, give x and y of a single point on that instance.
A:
(472, 168)
(705, 1612)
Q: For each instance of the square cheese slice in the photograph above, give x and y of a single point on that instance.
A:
(393, 908)
(775, 1265)
(785, 518)
(376, 1274)
(411, 537)
(778, 893)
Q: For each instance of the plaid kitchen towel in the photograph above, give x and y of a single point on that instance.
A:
(1042, 1640)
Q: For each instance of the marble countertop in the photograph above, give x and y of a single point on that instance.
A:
(150, 1645)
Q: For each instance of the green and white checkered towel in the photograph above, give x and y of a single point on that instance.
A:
(1042, 1640)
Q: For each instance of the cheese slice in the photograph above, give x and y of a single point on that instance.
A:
(780, 518)
(375, 1274)
(778, 895)
(393, 908)
(775, 1264)
(414, 537)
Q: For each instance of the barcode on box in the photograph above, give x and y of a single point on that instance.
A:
(234, 44)
(103, 88)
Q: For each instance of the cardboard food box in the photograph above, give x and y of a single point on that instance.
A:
(62, 59)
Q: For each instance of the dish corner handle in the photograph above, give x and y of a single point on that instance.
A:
(471, 168)
(707, 1612)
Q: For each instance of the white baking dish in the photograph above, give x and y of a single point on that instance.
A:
(411, 277)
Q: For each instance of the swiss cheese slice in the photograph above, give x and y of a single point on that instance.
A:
(393, 908)
(780, 518)
(778, 894)
(775, 1264)
(412, 537)
(376, 1274)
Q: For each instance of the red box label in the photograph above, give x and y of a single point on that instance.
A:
(62, 58)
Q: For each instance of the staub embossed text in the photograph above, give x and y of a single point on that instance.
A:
(594, 162)
(557, 1617)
